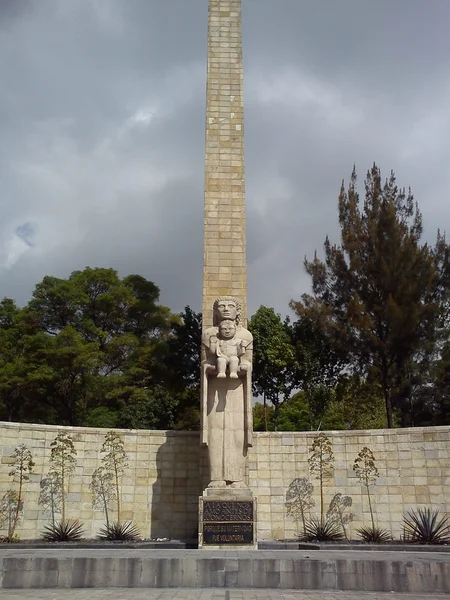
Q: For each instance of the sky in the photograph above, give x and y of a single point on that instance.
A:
(102, 118)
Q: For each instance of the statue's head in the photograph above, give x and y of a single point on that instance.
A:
(226, 307)
(227, 329)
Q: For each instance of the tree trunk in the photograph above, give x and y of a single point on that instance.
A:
(388, 404)
(265, 412)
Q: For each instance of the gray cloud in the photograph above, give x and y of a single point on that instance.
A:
(102, 120)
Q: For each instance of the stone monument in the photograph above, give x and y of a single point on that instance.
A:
(227, 511)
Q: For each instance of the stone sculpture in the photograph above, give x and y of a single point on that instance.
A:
(227, 401)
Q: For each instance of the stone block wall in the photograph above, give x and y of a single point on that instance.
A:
(414, 467)
(161, 486)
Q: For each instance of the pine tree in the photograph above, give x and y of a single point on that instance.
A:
(380, 293)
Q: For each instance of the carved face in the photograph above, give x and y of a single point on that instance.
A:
(227, 309)
(227, 329)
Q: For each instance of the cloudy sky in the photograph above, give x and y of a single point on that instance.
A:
(102, 132)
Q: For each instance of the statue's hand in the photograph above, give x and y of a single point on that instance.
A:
(213, 339)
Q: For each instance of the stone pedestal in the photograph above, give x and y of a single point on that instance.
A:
(227, 519)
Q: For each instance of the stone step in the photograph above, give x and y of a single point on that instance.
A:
(413, 572)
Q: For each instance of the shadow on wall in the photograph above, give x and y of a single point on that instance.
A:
(174, 510)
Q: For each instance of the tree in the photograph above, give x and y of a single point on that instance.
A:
(320, 364)
(299, 500)
(380, 294)
(274, 366)
(321, 465)
(82, 347)
(114, 463)
(183, 369)
(63, 461)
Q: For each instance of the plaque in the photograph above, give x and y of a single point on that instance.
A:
(231, 510)
(228, 522)
(228, 533)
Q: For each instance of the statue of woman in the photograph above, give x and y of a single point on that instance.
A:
(227, 401)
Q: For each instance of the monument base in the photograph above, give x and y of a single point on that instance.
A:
(227, 519)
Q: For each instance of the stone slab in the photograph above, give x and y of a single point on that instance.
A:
(206, 594)
(406, 572)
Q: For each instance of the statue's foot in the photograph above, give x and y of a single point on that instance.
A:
(238, 484)
(217, 483)
(221, 375)
(234, 376)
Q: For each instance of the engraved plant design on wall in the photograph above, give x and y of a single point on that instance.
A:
(367, 472)
(11, 505)
(321, 465)
(103, 490)
(114, 462)
(50, 497)
(338, 511)
(299, 500)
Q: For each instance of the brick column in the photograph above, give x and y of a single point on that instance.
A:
(224, 267)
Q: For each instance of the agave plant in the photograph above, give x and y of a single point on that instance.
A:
(317, 530)
(64, 531)
(423, 526)
(374, 535)
(120, 532)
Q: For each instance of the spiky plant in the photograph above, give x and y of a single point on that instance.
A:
(423, 526)
(64, 531)
(317, 530)
(120, 532)
(374, 534)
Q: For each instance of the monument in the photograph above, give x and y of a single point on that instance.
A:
(227, 511)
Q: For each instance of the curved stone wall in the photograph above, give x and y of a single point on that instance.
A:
(162, 483)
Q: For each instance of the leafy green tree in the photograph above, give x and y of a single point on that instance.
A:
(274, 366)
(63, 462)
(183, 369)
(82, 347)
(320, 364)
(380, 294)
(321, 465)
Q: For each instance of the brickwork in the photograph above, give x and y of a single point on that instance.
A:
(224, 270)
(414, 467)
(159, 489)
(161, 486)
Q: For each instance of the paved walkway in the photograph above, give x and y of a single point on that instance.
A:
(210, 594)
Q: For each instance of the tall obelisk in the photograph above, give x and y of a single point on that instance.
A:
(224, 267)
(227, 508)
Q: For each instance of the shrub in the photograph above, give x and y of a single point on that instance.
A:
(64, 531)
(318, 530)
(119, 532)
(374, 535)
(422, 526)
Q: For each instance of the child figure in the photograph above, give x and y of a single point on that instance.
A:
(228, 349)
